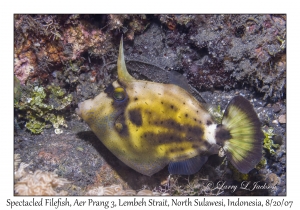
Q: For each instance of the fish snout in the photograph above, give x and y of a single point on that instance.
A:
(79, 109)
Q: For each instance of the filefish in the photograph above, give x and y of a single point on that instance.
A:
(150, 125)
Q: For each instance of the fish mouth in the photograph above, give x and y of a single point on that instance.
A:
(84, 107)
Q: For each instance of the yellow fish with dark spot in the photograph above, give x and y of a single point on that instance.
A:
(149, 125)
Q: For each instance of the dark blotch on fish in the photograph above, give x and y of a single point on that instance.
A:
(124, 130)
(208, 122)
(136, 117)
(222, 135)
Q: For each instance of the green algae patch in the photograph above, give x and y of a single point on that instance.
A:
(35, 126)
(17, 89)
(269, 145)
(262, 163)
(41, 107)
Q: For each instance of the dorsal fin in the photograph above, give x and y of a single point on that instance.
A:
(122, 70)
(179, 80)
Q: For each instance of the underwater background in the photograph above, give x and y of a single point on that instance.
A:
(61, 60)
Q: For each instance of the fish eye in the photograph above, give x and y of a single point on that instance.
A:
(119, 94)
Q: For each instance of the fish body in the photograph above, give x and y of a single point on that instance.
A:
(149, 125)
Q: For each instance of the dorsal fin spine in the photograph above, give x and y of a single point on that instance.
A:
(122, 70)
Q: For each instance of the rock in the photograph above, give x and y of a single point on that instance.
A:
(277, 139)
(273, 179)
(282, 118)
(276, 108)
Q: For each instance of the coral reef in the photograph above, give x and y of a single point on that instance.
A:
(244, 49)
(214, 51)
(128, 24)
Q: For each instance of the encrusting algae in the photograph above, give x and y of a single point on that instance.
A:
(150, 125)
(269, 145)
(41, 105)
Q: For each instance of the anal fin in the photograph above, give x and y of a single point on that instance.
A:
(187, 167)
